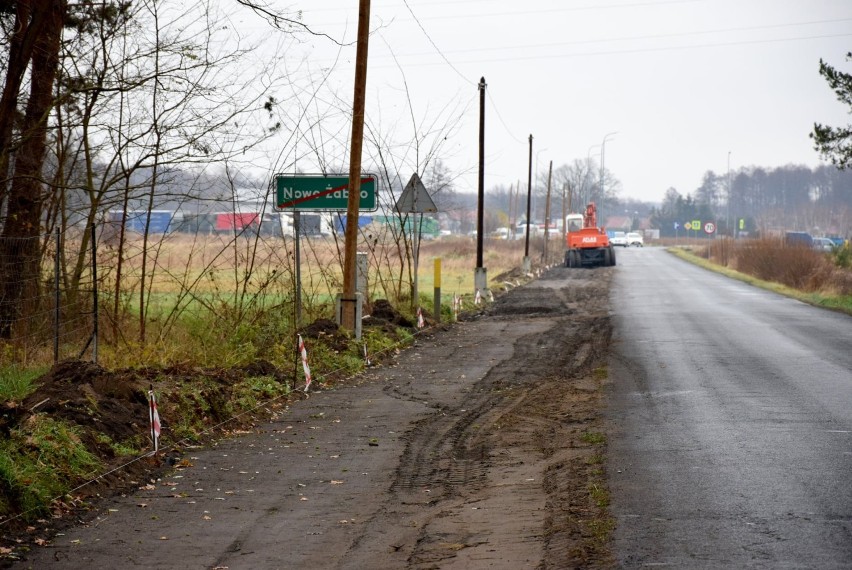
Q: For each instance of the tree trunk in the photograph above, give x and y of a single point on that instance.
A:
(20, 50)
(19, 242)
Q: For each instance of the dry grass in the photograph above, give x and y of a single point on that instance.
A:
(817, 278)
(219, 299)
(769, 259)
(181, 262)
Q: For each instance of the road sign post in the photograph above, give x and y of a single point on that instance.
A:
(316, 192)
(415, 199)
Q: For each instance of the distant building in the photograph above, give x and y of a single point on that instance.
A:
(619, 223)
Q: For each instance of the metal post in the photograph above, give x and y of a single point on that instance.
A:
(603, 196)
(95, 294)
(437, 311)
(297, 228)
(56, 300)
(728, 215)
(363, 282)
(526, 266)
(415, 238)
(585, 198)
(566, 206)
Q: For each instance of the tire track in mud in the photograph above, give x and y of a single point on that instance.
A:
(501, 476)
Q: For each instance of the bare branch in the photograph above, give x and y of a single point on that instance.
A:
(276, 19)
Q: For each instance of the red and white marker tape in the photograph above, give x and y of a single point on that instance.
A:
(420, 322)
(155, 420)
(304, 353)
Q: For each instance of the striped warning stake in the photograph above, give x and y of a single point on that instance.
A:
(304, 353)
(420, 322)
(154, 416)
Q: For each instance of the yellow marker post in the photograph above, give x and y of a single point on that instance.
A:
(437, 312)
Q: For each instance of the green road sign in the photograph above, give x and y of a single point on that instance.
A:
(317, 192)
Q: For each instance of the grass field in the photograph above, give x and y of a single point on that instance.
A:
(216, 299)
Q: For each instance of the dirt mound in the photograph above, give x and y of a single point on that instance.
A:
(327, 330)
(86, 395)
(512, 276)
(263, 368)
(384, 312)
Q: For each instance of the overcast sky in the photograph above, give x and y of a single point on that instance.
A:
(682, 83)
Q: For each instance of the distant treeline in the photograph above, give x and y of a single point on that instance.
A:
(765, 201)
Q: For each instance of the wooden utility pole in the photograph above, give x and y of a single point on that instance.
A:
(547, 211)
(526, 263)
(480, 209)
(349, 300)
(480, 273)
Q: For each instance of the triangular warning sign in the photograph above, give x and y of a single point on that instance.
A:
(415, 198)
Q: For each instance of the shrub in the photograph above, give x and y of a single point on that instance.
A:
(794, 266)
(842, 255)
(722, 251)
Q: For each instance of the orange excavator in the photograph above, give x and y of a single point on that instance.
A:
(588, 246)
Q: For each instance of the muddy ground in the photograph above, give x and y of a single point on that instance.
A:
(479, 447)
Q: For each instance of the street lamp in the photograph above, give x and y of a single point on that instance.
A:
(603, 150)
(589, 155)
(536, 178)
(728, 215)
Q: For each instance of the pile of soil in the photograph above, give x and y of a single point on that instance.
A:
(99, 402)
(385, 313)
(89, 397)
(327, 331)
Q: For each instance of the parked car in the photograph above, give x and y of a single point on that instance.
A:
(823, 244)
(618, 238)
(799, 239)
(636, 239)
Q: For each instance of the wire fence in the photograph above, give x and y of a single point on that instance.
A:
(66, 292)
(41, 319)
(124, 285)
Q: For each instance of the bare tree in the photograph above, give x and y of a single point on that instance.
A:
(147, 95)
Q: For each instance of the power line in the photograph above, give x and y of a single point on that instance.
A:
(428, 37)
(500, 117)
(640, 50)
(586, 8)
(639, 38)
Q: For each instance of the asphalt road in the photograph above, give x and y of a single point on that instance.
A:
(731, 414)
